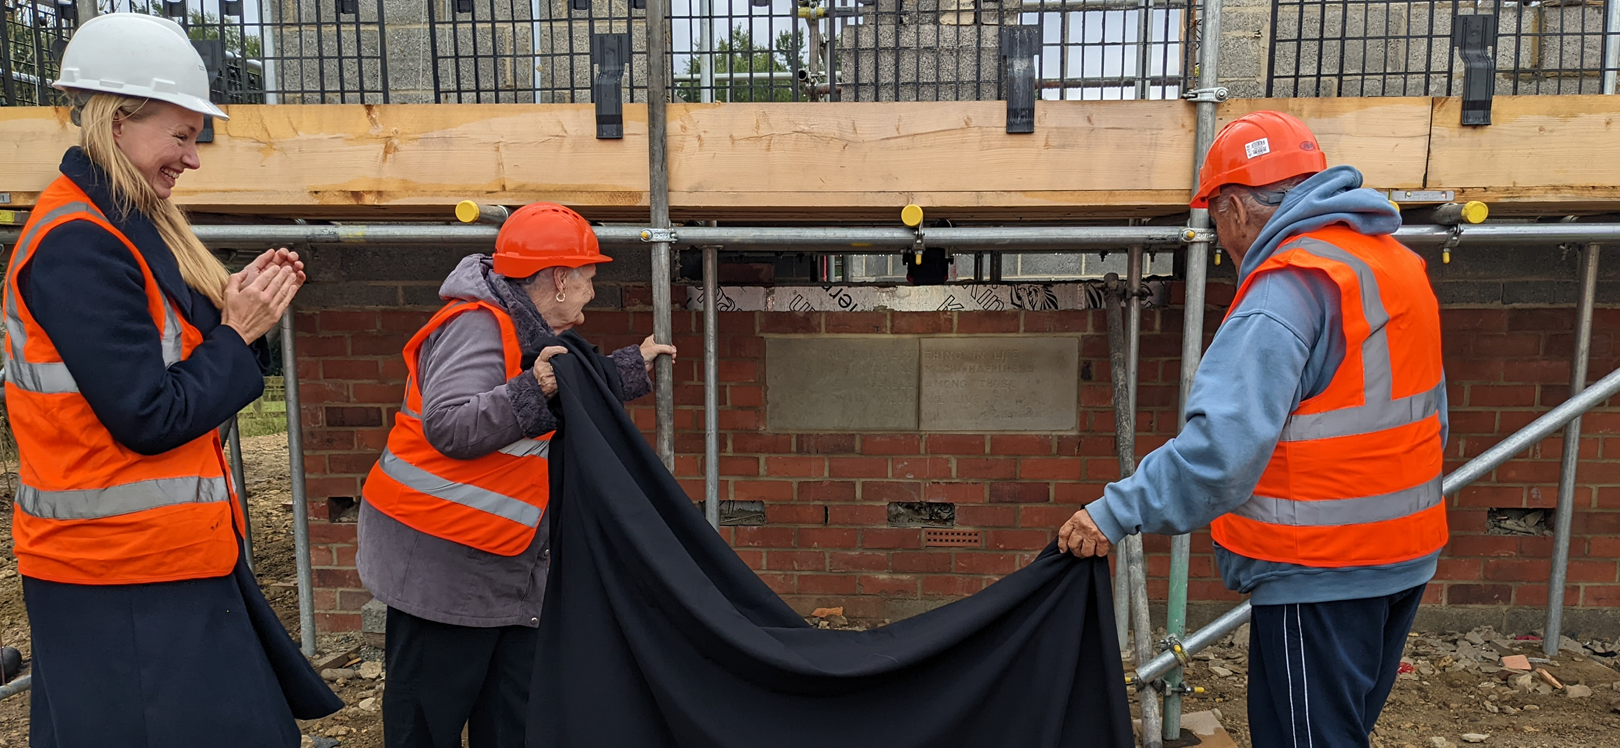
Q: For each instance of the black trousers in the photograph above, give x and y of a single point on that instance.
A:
(443, 677)
(1319, 673)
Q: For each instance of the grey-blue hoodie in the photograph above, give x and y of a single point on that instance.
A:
(1282, 343)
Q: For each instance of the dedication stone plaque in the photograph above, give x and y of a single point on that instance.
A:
(841, 384)
(1000, 384)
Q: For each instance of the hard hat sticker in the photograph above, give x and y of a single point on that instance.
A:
(1258, 147)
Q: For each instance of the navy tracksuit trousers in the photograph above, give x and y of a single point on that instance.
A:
(1319, 673)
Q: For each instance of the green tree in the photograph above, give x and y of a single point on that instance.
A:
(203, 26)
(740, 55)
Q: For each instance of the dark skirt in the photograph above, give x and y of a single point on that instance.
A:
(197, 662)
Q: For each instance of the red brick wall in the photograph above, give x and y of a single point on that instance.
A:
(827, 539)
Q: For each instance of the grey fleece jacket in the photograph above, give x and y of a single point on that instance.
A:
(470, 409)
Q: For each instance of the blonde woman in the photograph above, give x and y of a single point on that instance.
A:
(128, 344)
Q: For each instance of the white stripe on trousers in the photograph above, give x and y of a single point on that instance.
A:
(1288, 662)
(1304, 678)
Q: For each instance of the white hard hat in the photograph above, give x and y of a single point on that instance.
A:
(134, 54)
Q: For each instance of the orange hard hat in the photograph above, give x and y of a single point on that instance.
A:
(545, 235)
(1258, 149)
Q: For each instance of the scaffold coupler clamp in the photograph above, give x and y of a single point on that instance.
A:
(1173, 645)
(1453, 238)
(1190, 235)
(658, 236)
(1214, 95)
(912, 217)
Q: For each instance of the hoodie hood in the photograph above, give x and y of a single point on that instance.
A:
(475, 279)
(1329, 197)
(470, 281)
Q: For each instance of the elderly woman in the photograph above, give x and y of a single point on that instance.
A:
(453, 531)
(128, 345)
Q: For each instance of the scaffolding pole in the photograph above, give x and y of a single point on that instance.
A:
(711, 388)
(1460, 478)
(991, 240)
(1611, 47)
(1192, 336)
(1133, 336)
(1572, 454)
(1130, 562)
(658, 198)
(300, 500)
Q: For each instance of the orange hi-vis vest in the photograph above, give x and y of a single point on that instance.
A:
(89, 510)
(1355, 477)
(492, 503)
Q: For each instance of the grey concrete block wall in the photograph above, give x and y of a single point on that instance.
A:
(318, 54)
(920, 62)
(564, 62)
(355, 277)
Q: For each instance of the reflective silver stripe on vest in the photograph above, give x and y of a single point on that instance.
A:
(52, 377)
(1339, 512)
(528, 448)
(173, 348)
(405, 402)
(97, 503)
(1366, 419)
(1380, 410)
(483, 500)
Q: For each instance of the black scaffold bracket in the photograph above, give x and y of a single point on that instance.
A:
(1474, 36)
(1019, 46)
(609, 53)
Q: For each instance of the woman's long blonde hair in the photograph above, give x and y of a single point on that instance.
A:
(199, 267)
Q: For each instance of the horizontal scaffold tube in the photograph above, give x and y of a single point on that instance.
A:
(875, 240)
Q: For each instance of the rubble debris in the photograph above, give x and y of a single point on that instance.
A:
(1474, 737)
(1548, 677)
(337, 674)
(340, 660)
(1516, 662)
(370, 670)
(1578, 692)
(1439, 742)
(826, 612)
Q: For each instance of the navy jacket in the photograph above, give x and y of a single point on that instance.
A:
(85, 289)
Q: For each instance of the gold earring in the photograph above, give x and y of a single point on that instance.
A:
(561, 298)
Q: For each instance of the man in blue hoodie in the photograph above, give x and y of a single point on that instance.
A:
(1314, 440)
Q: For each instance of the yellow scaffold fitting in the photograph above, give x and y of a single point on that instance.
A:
(812, 13)
(911, 215)
(468, 211)
(1461, 214)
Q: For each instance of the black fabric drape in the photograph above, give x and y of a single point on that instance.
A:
(655, 633)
